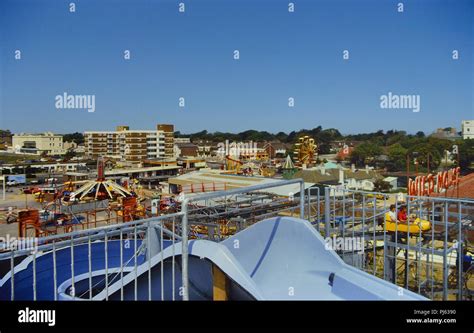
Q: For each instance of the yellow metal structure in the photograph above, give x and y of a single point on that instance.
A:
(233, 165)
(305, 151)
(219, 285)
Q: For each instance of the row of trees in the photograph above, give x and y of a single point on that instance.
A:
(322, 136)
(382, 149)
(424, 149)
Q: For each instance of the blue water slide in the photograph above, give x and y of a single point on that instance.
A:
(280, 258)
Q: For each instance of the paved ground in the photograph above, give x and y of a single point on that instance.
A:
(15, 200)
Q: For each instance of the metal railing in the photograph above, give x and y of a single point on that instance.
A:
(428, 261)
(94, 263)
(424, 254)
(189, 213)
(113, 250)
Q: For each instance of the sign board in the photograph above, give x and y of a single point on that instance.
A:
(20, 179)
(426, 185)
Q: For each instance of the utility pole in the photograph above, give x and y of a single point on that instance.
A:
(408, 171)
(428, 164)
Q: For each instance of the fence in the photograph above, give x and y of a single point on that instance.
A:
(88, 261)
(425, 255)
(94, 263)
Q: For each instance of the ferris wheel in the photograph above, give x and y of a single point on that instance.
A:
(305, 151)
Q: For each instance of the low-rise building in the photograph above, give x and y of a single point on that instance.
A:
(37, 144)
(392, 181)
(69, 145)
(206, 148)
(334, 175)
(274, 149)
(182, 140)
(186, 150)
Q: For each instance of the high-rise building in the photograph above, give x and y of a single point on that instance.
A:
(126, 144)
(467, 129)
(168, 130)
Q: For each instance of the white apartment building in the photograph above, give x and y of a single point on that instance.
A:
(37, 144)
(125, 144)
(467, 129)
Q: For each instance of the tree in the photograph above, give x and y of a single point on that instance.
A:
(365, 153)
(466, 153)
(381, 185)
(281, 136)
(396, 157)
(74, 137)
(69, 155)
(424, 151)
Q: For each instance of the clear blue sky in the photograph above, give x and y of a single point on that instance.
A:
(190, 55)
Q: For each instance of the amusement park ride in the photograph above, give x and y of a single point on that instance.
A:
(65, 206)
(101, 188)
(244, 166)
(305, 151)
(259, 163)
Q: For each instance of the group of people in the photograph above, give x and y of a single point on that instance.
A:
(400, 216)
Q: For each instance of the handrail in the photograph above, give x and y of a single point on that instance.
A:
(210, 195)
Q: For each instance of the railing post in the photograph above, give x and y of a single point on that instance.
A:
(302, 200)
(327, 212)
(184, 255)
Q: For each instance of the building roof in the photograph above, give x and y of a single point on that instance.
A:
(315, 175)
(331, 165)
(186, 145)
(275, 145)
(361, 174)
(233, 181)
(466, 188)
(135, 170)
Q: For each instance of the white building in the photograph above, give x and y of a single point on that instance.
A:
(126, 144)
(393, 182)
(37, 144)
(182, 140)
(467, 129)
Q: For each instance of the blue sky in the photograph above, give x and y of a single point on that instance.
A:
(190, 54)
